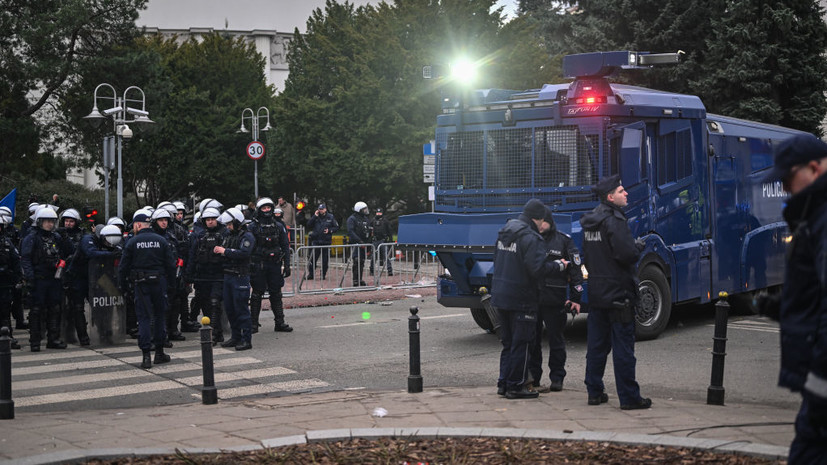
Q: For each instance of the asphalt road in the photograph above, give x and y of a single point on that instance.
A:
(365, 346)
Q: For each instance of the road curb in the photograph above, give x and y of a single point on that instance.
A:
(723, 446)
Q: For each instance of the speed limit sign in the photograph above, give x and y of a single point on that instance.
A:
(255, 150)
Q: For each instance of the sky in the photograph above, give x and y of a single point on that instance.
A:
(279, 15)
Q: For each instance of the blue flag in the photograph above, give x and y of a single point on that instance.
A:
(10, 201)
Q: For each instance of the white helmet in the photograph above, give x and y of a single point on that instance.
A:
(5, 219)
(70, 213)
(116, 221)
(265, 201)
(213, 203)
(180, 206)
(196, 217)
(111, 234)
(203, 204)
(44, 213)
(241, 207)
(142, 211)
(4, 210)
(360, 206)
(210, 213)
(230, 215)
(168, 206)
(33, 208)
(161, 214)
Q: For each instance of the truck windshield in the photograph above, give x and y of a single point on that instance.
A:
(493, 168)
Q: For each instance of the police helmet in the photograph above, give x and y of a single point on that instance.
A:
(70, 213)
(116, 221)
(213, 203)
(180, 206)
(160, 214)
(278, 212)
(170, 208)
(203, 204)
(359, 207)
(265, 201)
(210, 213)
(5, 219)
(97, 230)
(4, 210)
(44, 214)
(111, 235)
(196, 217)
(236, 214)
(33, 208)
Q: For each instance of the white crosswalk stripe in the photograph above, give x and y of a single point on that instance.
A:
(757, 325)
(52, 378)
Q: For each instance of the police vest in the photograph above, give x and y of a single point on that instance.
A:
(208, 242)
(237, 267)
(6, 249)
(268, 245)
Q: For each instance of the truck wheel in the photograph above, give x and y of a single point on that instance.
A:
(481, 319)
(655, 304)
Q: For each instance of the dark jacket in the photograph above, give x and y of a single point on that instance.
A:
(238, 247)
(382, 231)
(148, 253)
(203, 264)
(271, 243)
(803, 316)
(358, 229)
(88, 249)
(611, 256)
(10, 271)
(40, 253)
(520, 264)
(317, 226)
(553, 288)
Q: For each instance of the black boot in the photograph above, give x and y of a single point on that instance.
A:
(147, 360)
(215, 321)
(160, 356)
(35, 327)
(79, 317)
(53, 339)
(255, 311)
(278, 312)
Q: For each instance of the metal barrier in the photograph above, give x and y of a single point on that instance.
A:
(384, 266)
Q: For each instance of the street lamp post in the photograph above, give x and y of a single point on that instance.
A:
(120, 112)
(254, 120)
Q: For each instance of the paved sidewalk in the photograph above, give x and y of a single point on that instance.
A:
(54, 437)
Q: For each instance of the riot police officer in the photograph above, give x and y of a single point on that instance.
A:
(73, 312)
(554, 308)
(12, 233)
(520, 263)
(358, 232)
(204, 269)
(43, 254)
(10, 276)
(382, 234)
(188, 323)
(611, 256)
(237, 247)
(322, 225)
(161, 224)
(177, 311)
(148, 262)
(28, 223)
(126, 289)
(272, 250)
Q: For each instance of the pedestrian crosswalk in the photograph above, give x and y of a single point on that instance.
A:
(110, 377)
(753, 323)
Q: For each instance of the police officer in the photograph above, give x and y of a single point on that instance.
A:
(148, 262)
(43, 253)
(554, 308)
(801, 164)
(28, 223)
(188, 323)
(204, 268)
(382, 233)
(611, 256)
(74, 313)
(520, 263)
(162, 224)
(358, 232)
(177, 311)
(237, 247)
(322, 225)
(127, 289)
(102, 244)
(10, 276)
(272, 250)
(13, 234)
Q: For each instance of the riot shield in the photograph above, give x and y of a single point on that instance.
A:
(108, 312)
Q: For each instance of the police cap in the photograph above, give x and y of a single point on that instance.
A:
(535, 209)
(796, 150)
(606, 185)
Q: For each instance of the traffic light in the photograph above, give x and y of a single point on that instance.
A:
(300, 205)
(90, 213)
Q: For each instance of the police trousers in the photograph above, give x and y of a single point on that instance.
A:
(604, 336)
(810, 443)
(554, 319)
(517, 330)
(236, 296)
(151, 308)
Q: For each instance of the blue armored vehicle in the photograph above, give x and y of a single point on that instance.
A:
(694, 179)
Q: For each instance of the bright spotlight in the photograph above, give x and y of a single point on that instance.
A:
(464, 71)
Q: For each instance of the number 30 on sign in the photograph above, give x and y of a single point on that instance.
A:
(255, 150)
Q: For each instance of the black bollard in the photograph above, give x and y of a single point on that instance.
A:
(6, 404)
(209, 394)
(715, 392)
(415, 378)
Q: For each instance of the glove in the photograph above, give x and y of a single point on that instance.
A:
(640, 244)
(286, 272)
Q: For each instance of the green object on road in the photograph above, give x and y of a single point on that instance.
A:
(366, 315)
